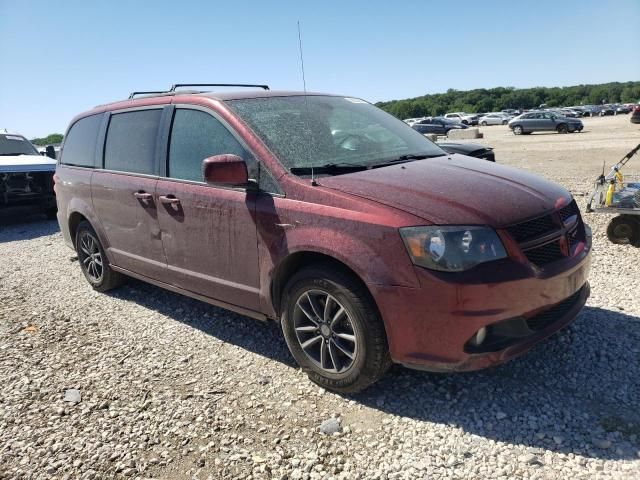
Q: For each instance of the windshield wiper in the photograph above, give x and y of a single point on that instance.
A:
(330, 168)
(406, 158)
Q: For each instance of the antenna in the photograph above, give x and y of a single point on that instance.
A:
(304, 82)
(306, 103)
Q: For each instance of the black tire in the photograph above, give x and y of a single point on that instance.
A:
(504, 122)
(484, 124)
(562, 128)
(518, 130)
(96, 269)
(370, 358)
(624, 230)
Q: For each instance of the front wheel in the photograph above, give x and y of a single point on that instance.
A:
(333, 330)
(562, 128)
(517, 130)
(484, 124)
(93, 261)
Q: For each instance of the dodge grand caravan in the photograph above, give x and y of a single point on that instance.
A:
(362, 238)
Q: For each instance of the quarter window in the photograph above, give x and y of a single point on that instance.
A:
(131, 141)
(79, 148)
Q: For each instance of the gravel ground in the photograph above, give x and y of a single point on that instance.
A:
(144, 383)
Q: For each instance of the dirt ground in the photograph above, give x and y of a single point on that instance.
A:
(573, 160)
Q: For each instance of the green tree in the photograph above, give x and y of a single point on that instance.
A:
(50, 139)
(499, 98)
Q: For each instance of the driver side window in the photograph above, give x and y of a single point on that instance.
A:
(196, 135)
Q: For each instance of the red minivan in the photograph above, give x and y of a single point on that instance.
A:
(362, 238)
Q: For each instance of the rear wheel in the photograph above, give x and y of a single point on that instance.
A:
(93, 261)
(624, 230)
(562, 128)
(334, 330)
(517, 130)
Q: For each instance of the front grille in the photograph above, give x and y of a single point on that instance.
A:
(568, 211)
(532, 228)
(545, 254)
(529, 235)
(551, 315)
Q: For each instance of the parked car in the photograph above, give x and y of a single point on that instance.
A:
(363, 239)
(570, 112)
(544, 121)
(635, 114)
(469, 149)
(26, 178)
(591, 110)
(511, 112)
(606, 110)
(437, 125)
(411, 121)
(466, 118)
(494, 119)
(623, 109)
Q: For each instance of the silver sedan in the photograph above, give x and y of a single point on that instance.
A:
(494, 119)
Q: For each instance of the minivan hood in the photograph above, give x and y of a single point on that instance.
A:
(455, 190)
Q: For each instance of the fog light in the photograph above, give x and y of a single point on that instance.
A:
(479, 337)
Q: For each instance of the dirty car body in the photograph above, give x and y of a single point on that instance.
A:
(466, 263)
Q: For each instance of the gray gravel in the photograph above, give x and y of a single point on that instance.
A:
(144, 383)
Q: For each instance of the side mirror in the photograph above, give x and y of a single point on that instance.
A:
(50, 151)
(228, 169)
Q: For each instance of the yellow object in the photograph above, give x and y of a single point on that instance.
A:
(619, 178)
(609, 199)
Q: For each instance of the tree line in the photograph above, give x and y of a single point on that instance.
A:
(51, 139)
(500, 98)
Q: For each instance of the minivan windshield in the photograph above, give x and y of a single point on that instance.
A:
(16, 145)
(341, 134)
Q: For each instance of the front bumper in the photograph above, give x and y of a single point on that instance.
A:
(429, 327)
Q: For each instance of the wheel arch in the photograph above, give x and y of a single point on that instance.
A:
(296, 261)
(74, 220)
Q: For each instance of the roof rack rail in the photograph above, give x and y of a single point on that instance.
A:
(178, 85)
(133, 94)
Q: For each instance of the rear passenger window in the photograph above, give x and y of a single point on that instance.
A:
(79, 147)
(131, 141)
(196, 135)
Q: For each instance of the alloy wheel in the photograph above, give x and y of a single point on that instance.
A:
(91, 257)
(325, 331)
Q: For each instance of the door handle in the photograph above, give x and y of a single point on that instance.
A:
(169, 199)
(144, 196)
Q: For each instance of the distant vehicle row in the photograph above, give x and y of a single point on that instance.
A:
(503, 117)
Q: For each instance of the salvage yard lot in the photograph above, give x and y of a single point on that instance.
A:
(174, 388)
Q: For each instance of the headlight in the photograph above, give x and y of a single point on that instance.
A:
(452, 249)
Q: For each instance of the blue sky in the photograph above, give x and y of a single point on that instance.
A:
(62, 57)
